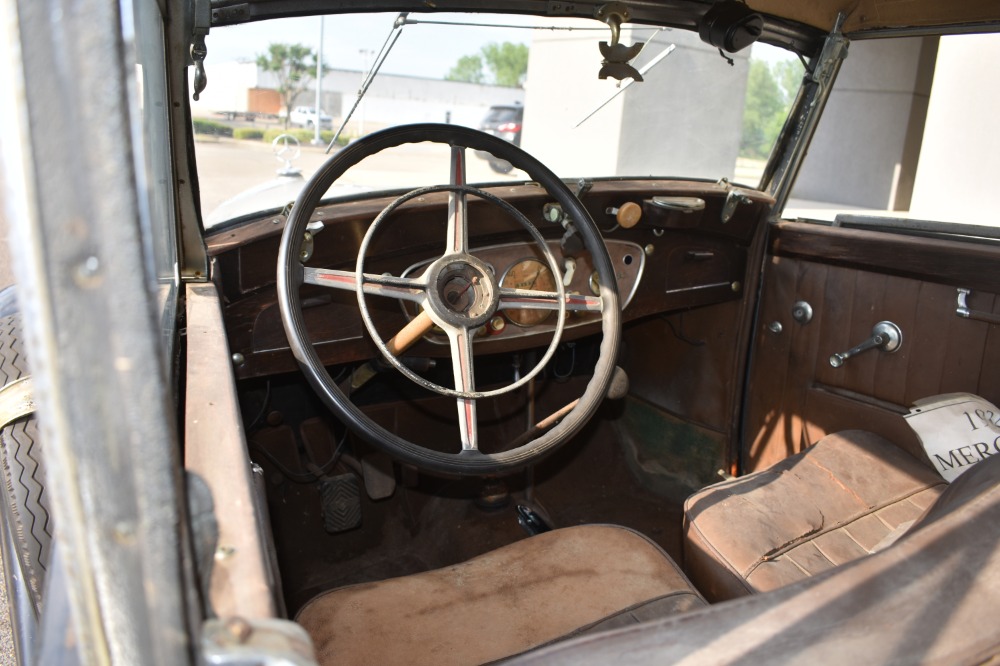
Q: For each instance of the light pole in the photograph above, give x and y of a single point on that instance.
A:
(319, 86)
(367, 54)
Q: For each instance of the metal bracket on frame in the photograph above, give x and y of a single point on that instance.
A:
(801, 124)
(199, 51)
(238, 641)
(963, 309)
(17, 400)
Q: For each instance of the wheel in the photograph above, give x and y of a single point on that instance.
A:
(501, 166)
(24, 474)
(458, 293)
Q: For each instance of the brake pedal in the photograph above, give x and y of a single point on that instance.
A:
(341, 499)
(379, 477)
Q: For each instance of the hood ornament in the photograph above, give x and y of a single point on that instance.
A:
(286, 148)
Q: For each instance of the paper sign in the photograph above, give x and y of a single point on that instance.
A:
(957, 431)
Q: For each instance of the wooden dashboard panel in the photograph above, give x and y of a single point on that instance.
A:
(670, 267)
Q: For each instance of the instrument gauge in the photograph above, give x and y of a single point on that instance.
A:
(529, 274)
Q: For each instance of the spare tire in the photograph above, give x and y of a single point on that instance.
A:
(24, 475)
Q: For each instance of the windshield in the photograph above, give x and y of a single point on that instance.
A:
(532, 81)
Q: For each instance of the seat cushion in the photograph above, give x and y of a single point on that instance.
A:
(841, 499)
(526, 594)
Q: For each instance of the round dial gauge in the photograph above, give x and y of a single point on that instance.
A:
(529, 274)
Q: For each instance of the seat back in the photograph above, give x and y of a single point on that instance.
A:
(833, 503)
(925, 599)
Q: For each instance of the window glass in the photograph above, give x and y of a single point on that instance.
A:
(142, 28)
(908, 133)
(773, 79)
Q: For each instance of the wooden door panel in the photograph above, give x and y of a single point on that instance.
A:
(796, 397)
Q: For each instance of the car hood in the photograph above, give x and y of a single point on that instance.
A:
(273, 194)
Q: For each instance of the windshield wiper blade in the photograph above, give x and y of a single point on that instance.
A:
(390, 41)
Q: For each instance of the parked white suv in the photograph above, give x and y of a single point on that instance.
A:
(305, 116)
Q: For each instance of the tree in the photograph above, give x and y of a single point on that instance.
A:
(469, 69)
(507, 64)
(765, 110)
(788, 74)
(294, 66)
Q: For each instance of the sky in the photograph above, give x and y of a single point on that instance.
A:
(351, 41)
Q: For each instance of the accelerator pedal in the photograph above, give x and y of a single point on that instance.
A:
(380, 479)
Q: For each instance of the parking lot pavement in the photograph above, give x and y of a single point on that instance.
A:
(227, 167)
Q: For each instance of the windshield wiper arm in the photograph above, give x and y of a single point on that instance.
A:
(642, 72)
(390, 41)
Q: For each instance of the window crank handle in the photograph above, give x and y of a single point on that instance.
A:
(885, 336)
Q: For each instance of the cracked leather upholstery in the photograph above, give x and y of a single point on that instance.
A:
(549, 587)
(849, 495)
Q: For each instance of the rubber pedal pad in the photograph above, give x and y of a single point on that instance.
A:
(341, 499)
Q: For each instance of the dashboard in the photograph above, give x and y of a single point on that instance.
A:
(669, 259)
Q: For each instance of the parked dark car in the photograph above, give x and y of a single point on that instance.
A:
(503, 121)
(644, 400)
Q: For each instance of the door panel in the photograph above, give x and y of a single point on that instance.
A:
(796, 397)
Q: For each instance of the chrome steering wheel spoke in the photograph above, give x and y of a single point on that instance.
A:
(407, 289)
(461, 361)
(457, 240)
(527, 299)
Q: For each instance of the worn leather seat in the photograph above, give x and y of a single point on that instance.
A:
(921, 600)
(849, 495)
(530, 593)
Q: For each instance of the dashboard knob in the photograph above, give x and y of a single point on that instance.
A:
(629, 214)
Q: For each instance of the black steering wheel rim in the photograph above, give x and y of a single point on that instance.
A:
(290, 277)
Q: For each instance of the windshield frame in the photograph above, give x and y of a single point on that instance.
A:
(234, 216)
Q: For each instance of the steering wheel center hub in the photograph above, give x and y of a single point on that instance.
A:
(463, 290)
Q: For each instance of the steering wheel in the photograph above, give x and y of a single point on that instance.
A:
(458, 292)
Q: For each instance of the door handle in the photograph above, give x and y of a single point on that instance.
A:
(886, 336)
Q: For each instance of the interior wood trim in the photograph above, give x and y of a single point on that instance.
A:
(958, 263)
(861, 397)
(215, 449)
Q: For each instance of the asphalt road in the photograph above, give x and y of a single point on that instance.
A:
(227, 167)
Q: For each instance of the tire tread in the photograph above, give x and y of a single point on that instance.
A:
(23, 470)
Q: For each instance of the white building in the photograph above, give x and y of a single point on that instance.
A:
(236, 88)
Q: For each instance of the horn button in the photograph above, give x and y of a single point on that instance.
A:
(463, 290)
